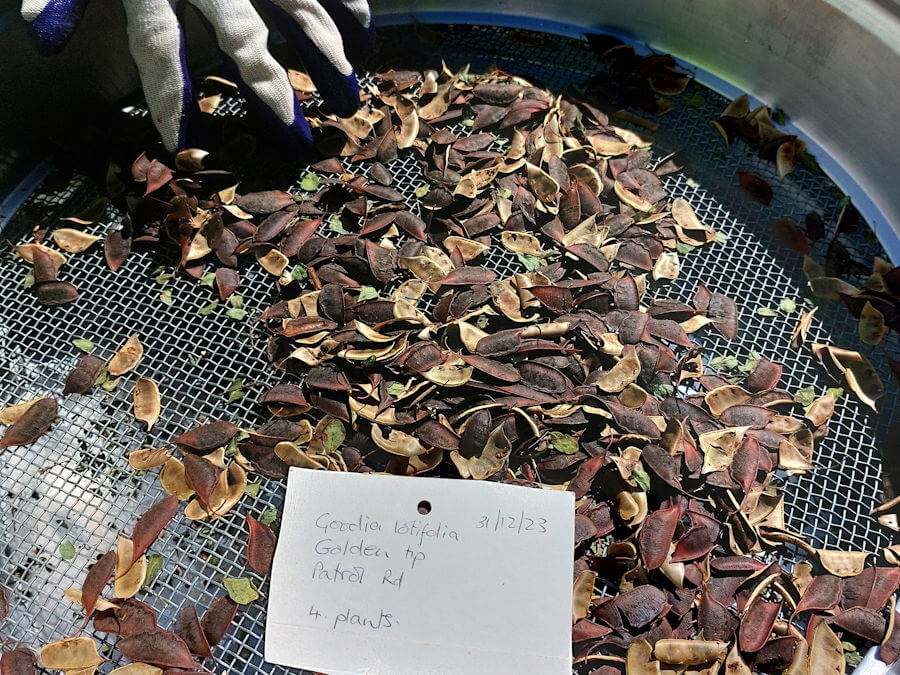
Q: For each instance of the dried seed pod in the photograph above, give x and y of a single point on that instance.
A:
(83, 376)
(19, 661)
(127, 357)
(207, 437)
(689, 652)
(149, 526)
(54, 293)
(260, 547)
(76, 653)
(158, 647)
(146, 401)
(32, 424)
(187, 626)
(128, 582)
(217, 619)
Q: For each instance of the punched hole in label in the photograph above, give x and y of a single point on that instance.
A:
(424, 507)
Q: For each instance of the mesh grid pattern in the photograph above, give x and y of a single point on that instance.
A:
(74, 483)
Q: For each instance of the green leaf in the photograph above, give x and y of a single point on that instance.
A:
(662, 391)
(469, 122)
(805, 396)
(531, 262)
(837, 392)
(395, 389)
(721, 237)
(750, 363)
(845, 201)
(422, 190)
(693, 100)
(268, 516)
(67, 550)
(208, 279)
(84, 345)
(683, 248)
(641, 477)
(367, 293)
(333, 435)
(235, 391)
(765, 311)
(166, 296)
(809, 162)
(299, 273)
(853, 659)
(335, 224)
(563, 443)
(236, 313)
(102, 377)
(164, 277)
(779, 116)
(28, 282)
(788, 305)
(236, 300)
(252, 489)
(154, 567)
(481, 322)
(721, 363)
(310, 182)
(241, 590)
(208, 309)
(109, 385)
(506, 193)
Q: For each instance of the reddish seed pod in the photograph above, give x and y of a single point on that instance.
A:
(260, 547)
(33, 424)
(218, 618)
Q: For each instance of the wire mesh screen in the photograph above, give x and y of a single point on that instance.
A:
(74, 484)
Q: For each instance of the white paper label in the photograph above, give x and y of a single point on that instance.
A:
(362, 582)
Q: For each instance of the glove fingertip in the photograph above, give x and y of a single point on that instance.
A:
(362, 45)
(340, 93)
(51, 29)
(299, 130)
(358, 36)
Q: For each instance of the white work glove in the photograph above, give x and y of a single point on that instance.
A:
(323, 32)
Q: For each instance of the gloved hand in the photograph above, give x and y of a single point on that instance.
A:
(324, 33)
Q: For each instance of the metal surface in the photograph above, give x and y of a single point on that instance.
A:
(74, 484)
